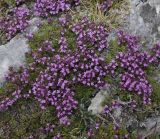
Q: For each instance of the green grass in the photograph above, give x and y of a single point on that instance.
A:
(48, 31)
(151, 74)
(113, 50)
(22, 118)
(113, 19)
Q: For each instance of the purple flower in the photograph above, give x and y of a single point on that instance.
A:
(106, 110)
(15, 22)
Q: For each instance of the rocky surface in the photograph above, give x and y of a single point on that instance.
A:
(13, 52)
(149, 127)
(144, 19)
(96, 103)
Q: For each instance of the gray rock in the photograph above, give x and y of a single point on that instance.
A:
(13, 53)
(144, 20)
(149, 127)
(96, 103)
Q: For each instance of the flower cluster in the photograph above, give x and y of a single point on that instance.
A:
(118, 104)
(54, 84)
(15, 22)
(106, 5)
(51, 7)
(134, 78)
(63, 43)
(7, 102)
(48, 128)
(134, 63)
(17, 19)
(58, 136)
(130, 40)
(54, 73)
(108, 109)
(156, 54)
(90, 33)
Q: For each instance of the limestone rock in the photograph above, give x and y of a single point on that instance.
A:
(96, 103)
(144, 19)
(12, 54)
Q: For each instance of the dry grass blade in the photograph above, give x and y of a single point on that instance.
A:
(113, 18)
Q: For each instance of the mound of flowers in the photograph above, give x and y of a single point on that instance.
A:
(56, 72)
(15, 22)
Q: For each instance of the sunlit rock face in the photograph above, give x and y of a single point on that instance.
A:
(96, 103)
(144, 19)
(12, 54)
(150, 126)
(156, 4)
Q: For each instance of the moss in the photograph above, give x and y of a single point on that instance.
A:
(156, 91)
(23, 118)
(48, 31)
(151, 73)
(80, 122)
(108, 132)
(2, 90)
(107, 101)
(48, 116)
(81, 118)
(114, 48)
(83, 92)
(154, 137)
(4, 3)
(8, 87)
(71, 40)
